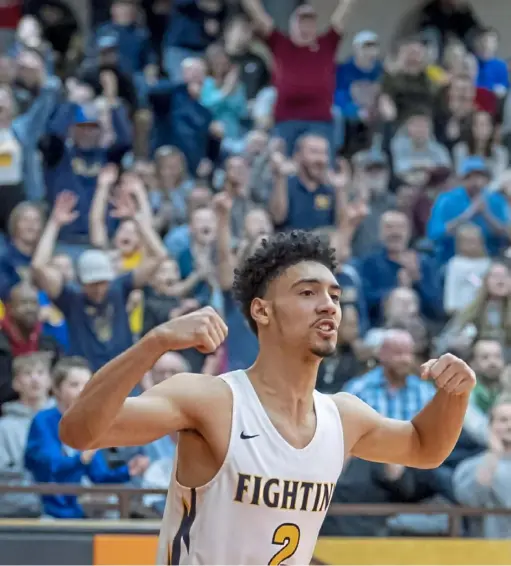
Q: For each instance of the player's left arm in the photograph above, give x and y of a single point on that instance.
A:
(425, 441)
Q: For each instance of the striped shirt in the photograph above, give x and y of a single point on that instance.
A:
(403, 403)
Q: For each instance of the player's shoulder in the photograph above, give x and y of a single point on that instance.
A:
(349, 405)
(198, 386)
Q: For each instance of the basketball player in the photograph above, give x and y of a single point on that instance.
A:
(260, 451)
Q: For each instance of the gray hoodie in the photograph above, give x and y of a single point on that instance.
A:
(470, 492)
(14, 427)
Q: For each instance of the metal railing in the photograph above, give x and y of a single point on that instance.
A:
(125, 495)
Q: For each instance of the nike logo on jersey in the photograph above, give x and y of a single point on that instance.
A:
(244, 436)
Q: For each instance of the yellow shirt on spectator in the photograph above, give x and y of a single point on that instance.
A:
(129, 263)
(437, 75)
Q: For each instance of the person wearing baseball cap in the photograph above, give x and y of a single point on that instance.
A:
(95, 266)
(470, 202)
(95, 310)
(357, 78)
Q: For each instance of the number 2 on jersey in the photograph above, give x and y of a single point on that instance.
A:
(287, 536)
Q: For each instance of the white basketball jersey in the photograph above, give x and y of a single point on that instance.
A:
(267, 502)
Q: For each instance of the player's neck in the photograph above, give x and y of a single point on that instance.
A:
(286, 380)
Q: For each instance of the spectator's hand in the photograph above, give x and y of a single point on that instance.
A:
(134, 300)
(231, 80)
(29, 32)
(495, 444)
(404, 279)
(151, 73)
(450, 374)
(124, 205)
(356, 211)
(213, 363)
(277, 145)
(387, 108)
(186, 306)
(78, 93)
(204, 267)
(453, 129)
(133, 185)
(109, 84)
(280, 165)
(64, 212)
(342, 178)
(86, 457)
(394, 472)
(410, 261)
(211, 27)
(203, 329)
(194, 89)
(108, 175)
(205, 168)
(138, 465)
(222, 204)
(216, 129)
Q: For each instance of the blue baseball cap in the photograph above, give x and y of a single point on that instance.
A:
(85, 115)
(474, 164)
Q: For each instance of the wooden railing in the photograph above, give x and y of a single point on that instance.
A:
(125, 495)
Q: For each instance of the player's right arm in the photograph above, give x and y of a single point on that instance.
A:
(105, 416)
(425, 441)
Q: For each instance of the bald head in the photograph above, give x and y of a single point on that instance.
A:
(169, 365)
(397, 353)
(402, 304)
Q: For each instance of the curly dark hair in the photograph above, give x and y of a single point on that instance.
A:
(276, 254)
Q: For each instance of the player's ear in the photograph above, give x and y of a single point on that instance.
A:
(260, 311)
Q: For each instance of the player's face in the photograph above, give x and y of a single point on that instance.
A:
(305, 308)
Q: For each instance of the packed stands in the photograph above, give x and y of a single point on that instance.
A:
(141, 161)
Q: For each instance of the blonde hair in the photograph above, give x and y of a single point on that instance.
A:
(474, 313)
(16, 214)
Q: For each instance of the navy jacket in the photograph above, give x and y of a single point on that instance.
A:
(68, 167)
(186, 25)
(134, 45)
(379, 278)
(182, 121)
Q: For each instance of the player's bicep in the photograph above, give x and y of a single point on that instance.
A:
(370, 436)
(172, 405)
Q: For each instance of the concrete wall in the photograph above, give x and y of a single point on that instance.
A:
(379, 15)
(383, 16)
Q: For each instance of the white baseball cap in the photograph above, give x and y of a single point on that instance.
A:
(94, 266)
(365, 37)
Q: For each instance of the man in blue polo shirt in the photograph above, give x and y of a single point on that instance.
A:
(471, 203)
(307, 200)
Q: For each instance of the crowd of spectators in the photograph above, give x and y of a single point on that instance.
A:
(139, 164)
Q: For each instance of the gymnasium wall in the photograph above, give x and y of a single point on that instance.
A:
(108, 543)
(383, 17)
(379, 15)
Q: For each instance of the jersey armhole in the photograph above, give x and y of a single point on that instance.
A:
(227, 454)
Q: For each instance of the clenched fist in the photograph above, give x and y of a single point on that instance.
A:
(203, 329)
(450, 374)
